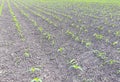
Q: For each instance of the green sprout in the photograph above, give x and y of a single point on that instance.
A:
(70, 33)
(36, 79)
(118, 71)
(40, 29)
(47, 36)
(117, 33)
(33, 69)
(100, 28)
(100, 54)
(115, 43)
(98, 36)
(77, 38)
(112, 61)
(88, 44)
(26, 53)
(60, 49)
(75, 65)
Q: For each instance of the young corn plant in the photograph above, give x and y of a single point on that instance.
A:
(36, 79)
(100, 28)
(26, 53)
(40, 29)
(100, 54)
(74, 64)
(117, 33)
(68, 32)
(88, 44)
(34, 69)
(118, 71)
(115, 43)
(47, 35)
(111, 62)
(76, 38)
(98, 36)
(60, 49)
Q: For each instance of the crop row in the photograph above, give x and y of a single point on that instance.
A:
(78, 32)
(1, 7)
(18, 26)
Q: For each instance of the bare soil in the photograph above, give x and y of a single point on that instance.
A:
(54, 65)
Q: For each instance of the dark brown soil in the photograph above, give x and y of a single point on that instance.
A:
(54, 65)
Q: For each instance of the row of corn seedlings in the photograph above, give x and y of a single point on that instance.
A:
(47, 35)
(18, 26)
(52, 11)
(45, 12)
(41, 16)
(1, 7)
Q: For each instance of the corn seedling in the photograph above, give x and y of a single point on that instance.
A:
(36, 79)
(26, 53)
(100, 28)
(77, 38)
(109, 31)
(100, 54)
(33, 69)
(74, 65)
(111, 61)
(53, 42)
(70, 33)
(98, 36)
(47, 35)
(118, 71)
(117, 33)
(115, 43)
(107, 40)
(60, 49)
(40, 29)
(88, 44)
